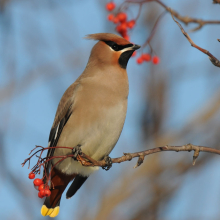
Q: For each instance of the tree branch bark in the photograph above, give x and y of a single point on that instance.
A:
(216, 1)
(185, 19)
(85, 160)
(212, 58)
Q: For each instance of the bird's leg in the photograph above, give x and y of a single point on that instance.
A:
(76, 151)
(108, 161)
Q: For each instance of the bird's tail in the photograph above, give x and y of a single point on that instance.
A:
(58, 184)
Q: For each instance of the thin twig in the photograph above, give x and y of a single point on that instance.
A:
(153, 30)
(216, 1)
(212, 58)
(185, 19)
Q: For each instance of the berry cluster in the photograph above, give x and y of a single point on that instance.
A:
(43, 189)
(122, 26)
(147, 58)
(120, 19)
(39, 184)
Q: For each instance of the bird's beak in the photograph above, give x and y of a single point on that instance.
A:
(135, 47)
(131, 48)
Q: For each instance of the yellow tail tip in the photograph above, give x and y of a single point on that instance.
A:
(55, 212)
(52, 212)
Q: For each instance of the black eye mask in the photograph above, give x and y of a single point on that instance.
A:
(117, 47)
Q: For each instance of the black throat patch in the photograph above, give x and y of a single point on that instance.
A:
(123, 59)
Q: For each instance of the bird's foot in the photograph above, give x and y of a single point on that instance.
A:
(108, 161)
(76, 151)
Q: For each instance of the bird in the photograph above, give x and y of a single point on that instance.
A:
(90, 116)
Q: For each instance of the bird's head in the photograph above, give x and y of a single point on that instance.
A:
(111, 49)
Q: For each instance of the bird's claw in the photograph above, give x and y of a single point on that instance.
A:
(76, 151)
(108, 161)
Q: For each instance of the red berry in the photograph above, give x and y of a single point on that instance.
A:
(41, 193)
(134, 54)
(47, 192)
(38, 182)
(146, 57)
(155, 60)
(111, 17)
(118, 28)
(110, 6)
(43, 186)
(31, 175)
(126, 37)
(122, 17)
(139, 60)
(122, 28)
(115, 20)
(131, 24)
(123, 33)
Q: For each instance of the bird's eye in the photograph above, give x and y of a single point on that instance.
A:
(115, 47)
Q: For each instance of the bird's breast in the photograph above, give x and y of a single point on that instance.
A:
(98, 125)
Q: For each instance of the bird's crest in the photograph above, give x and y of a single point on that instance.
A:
(108, 37)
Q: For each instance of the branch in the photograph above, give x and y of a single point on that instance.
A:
(85, 160)
(185, 19)
(153, 31)
(212, 58)
(216, 1)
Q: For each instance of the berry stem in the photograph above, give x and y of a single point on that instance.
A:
(36, 169)
(153, 30)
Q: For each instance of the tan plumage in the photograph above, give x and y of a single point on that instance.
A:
(91, 114)
(108, 37)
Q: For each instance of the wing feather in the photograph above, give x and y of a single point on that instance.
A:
(54, 137)
(63, 114)
(64, 111)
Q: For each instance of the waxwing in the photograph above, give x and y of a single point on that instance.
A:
(90, 116)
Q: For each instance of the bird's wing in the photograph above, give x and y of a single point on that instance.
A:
(63, 114)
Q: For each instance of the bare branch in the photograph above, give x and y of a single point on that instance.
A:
(216, 1)
(212, 58)
(85, 160)
(185, 19)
